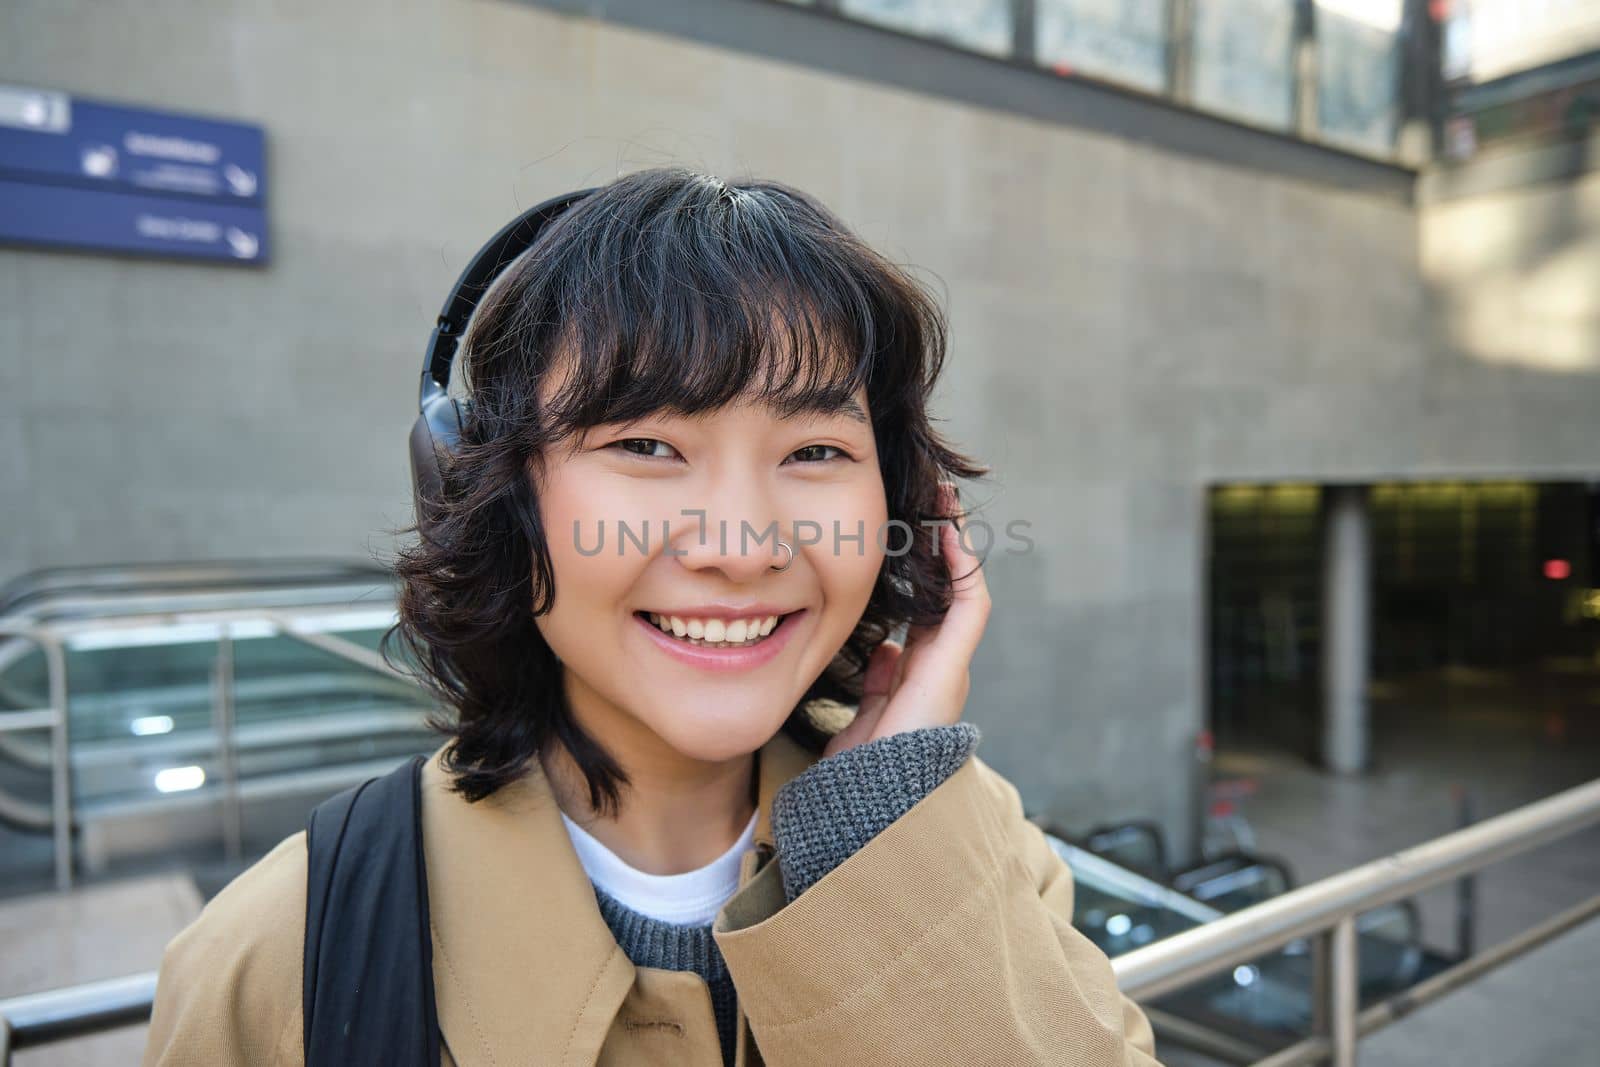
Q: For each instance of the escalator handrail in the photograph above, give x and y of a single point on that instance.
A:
(115, 580)
(88, 606)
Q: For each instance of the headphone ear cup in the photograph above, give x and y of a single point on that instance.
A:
(435, 437)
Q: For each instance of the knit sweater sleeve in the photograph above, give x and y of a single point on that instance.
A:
(823, 815)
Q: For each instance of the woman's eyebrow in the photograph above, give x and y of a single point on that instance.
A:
(850, 409)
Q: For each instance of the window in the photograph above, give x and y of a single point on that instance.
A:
(1118, 40)
(981, 25)
(1358, 72)
(1243, 59)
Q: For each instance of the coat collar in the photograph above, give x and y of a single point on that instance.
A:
(522, 958)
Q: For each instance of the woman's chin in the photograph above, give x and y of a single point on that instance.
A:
(718, 739)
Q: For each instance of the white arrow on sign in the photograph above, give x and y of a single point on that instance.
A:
(243, 182)
(244, 245)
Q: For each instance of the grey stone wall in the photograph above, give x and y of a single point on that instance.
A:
(1129, 323)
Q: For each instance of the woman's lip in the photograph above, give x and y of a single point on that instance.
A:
(726, 614)
(724, 659)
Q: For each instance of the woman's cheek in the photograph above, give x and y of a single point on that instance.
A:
(852, 566)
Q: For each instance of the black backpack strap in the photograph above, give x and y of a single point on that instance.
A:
(368, 992)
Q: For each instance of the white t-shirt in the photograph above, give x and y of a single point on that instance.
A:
(692, 898)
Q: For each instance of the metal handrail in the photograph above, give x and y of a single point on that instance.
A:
(111, 582)
(76, 1011)
(1328, 908)
(141, 608)
(335, 646)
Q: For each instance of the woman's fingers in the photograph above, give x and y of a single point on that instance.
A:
(926, 683)
(958, 635)
(883, 670)
(878, 686)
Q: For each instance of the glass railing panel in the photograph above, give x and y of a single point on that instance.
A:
(141, 707)
(139, 689)
(296, 707)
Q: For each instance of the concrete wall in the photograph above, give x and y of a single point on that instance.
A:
(1517, 271)
(1129, 324)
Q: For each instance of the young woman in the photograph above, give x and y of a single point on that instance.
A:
(696, 805)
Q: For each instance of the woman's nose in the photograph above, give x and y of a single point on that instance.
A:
(740, 542)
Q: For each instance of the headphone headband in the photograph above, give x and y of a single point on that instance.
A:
(439, 420)
(514, 238)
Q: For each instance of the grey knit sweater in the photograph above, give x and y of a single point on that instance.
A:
(820, 818)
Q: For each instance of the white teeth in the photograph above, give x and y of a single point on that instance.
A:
(715, 633)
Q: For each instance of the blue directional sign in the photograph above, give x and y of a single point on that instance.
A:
(87, 174)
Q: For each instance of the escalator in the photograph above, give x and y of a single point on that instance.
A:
(1262, 1006)
(149, 772)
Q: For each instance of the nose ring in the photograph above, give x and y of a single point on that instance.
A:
(784, 545)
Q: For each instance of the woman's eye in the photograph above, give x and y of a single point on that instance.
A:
(642, 446)
(812, 450)
(647, 448)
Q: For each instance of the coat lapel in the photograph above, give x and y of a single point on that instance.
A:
(525, 969)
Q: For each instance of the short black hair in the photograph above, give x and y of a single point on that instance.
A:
(666, 289)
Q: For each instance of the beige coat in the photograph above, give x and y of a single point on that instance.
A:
(945, 940)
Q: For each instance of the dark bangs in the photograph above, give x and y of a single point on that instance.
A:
(679, 292)
(672, 291)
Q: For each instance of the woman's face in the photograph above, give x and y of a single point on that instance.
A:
(630, 683)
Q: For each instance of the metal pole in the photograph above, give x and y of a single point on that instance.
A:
(1345, 979)
(1321, 986)
(1466, 886)
(341, 647)
(1421, 86)
(222, 725)
(1192, 1035)
(36, 1019)
(1346, 622)
(61, 759)
(1304, 91)
(1024, 42)
(1402, 1004)
(1180, 50)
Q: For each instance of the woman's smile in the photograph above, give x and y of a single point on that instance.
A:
(716, 644)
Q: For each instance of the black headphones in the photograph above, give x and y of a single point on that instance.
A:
(440, 417)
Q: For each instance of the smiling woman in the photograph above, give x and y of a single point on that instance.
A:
(694, 805)
(673, 344)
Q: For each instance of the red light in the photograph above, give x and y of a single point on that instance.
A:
(1557, 569)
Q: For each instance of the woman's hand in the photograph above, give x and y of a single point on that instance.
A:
(926, 682)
